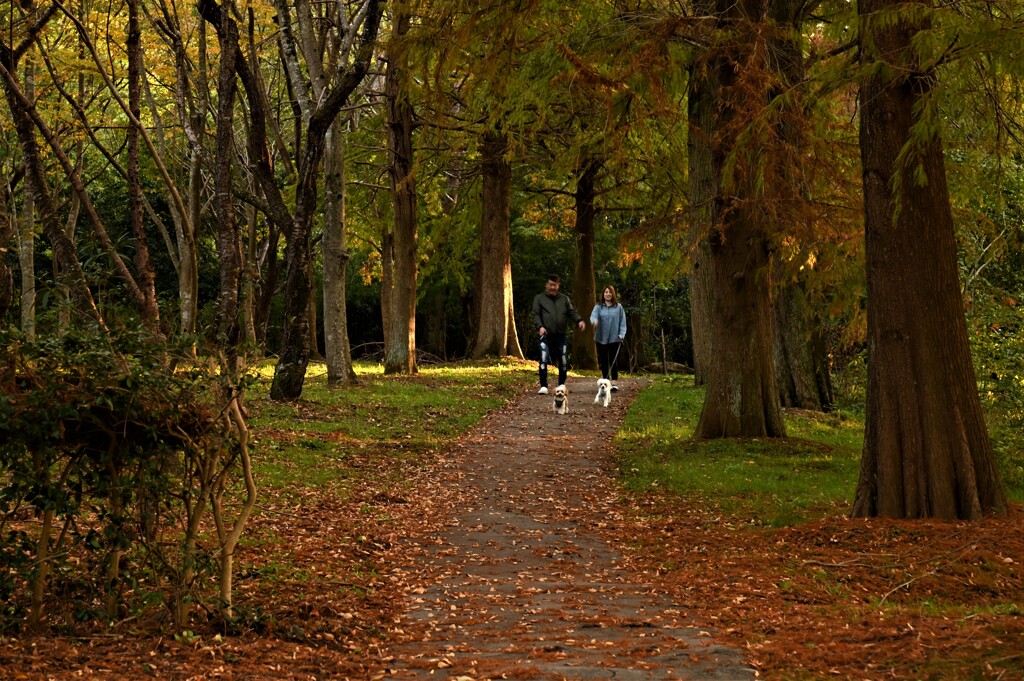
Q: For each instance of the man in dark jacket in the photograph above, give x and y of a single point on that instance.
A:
(552, 312)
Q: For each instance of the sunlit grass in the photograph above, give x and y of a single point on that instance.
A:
(331, 437)
(766, 480)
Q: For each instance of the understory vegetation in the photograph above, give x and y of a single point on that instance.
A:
(752, 534)
(755, 535)
(806, 476)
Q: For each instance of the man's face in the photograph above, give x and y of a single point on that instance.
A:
(551, 287)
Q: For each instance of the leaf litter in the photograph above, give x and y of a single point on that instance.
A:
(330, 583)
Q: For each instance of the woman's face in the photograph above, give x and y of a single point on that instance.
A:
(607, 295)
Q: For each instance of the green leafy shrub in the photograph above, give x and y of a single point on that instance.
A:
(997, 342)
(101, 449)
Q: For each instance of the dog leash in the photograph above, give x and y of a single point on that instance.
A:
(616, 358)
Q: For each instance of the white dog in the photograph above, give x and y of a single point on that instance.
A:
(561, 403)
(604, 392)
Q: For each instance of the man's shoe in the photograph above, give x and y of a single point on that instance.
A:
(543, 390)
(615, 388)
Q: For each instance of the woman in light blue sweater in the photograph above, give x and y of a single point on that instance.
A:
(609, 322)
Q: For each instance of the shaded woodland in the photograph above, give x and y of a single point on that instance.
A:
(805, 202)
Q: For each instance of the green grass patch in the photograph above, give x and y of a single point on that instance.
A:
(770, 481)
(330, 437)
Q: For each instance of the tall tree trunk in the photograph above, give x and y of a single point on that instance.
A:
(193, 120)
(926, 448)
(27, 236)
(249, 271)
(387, 280)
(584, 289)
(184, 211)
(495, 321)
(700, 107)
(742, 398)
(265, 260)
(144, 273)
(70, 229)
(65, 255)
(801, 362)
(314, 340)
(340, 371)
(400, 340)
(8, 231)
(267, 266)
(26, 262)
(290, 372)
(188, 254)
(229, 246)
(436, 341)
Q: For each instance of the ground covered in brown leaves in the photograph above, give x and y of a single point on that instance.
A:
(837, 598)
(846, 598)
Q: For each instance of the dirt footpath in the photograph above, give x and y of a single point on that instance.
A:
(524, 582)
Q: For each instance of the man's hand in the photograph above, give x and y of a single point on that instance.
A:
(542, 332)
(582, 325)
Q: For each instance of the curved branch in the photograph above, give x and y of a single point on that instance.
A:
(157, 160)
(76, 181)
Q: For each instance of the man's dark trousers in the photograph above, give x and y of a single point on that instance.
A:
(552, 346)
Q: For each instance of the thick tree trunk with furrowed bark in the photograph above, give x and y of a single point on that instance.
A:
(400, 339)
(742, 397)
(700, 106)
(926, 448)
(584, 288)
(495, 324)
(336, 256)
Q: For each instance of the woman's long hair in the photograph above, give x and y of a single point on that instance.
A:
(615, 298)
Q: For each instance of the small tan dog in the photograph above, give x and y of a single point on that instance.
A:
(561, 403)
(604, 392)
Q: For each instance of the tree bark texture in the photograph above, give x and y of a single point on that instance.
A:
(340, 371)
(229, 247)
(188, 255)
(314, 326)
(22, 108)
(192, 118)
(495, 321)
(801, 361)
(144, 273)
(9, 231)
(700, 106)
(584, 289)
(436, 341)
(387, 279)
(68, 266)
(742, 397)
(290, 372)
(926, 448)
(400, 341)
(27, 238)
(249, 270)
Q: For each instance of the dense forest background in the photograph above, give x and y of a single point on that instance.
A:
(810, 204)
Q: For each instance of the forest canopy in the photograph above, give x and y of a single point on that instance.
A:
(808, 205)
